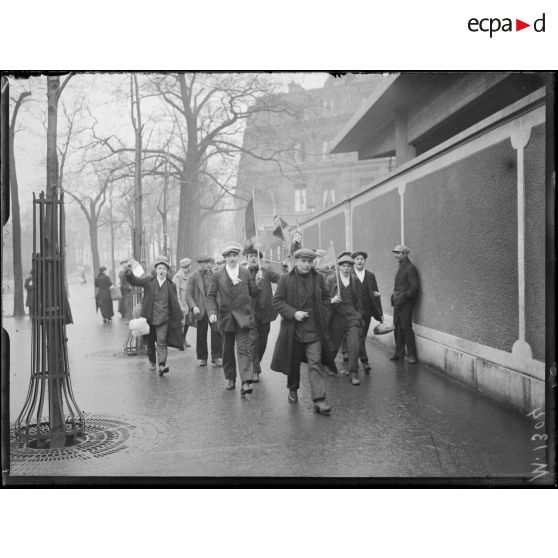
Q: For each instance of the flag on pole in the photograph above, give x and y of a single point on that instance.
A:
(281, 227)
(250, 220)
(328, 259)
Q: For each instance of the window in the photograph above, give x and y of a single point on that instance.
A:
(325, 149)
(299, 152)
(301, 203)
(278, 253)
(328, 196)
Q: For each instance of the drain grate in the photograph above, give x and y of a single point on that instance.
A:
(106, 436)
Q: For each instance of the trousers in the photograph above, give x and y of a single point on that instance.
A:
(404, 334)
(259, 335)
(201, 340)
(341, 328)
(363, 334)
(157, 337)
(242, 339)
(316, 374)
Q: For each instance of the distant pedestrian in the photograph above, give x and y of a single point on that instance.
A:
(371, 303)
(264, 312)
(304, 302)
(346, 320)
(405, 292)
(125, 303)
(29, 287)
(83, 278)
(180, 280)
(197, 288)
(162, 311)
(229, 301)
(103, 300)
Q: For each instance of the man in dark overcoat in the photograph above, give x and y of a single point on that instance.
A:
(125, 303)
(371, 302)
(346, 319)
(229, 304)
(197, 288)
(303, 302)
(405, 292)
(162, 311)
(264, 312)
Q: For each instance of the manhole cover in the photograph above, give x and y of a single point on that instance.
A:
(105, 436)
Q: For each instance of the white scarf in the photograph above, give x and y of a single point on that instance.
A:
(360, 274)
(233, 274)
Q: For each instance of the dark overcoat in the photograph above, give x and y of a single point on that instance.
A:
(148, 282)
(195, 296)
(285, 302)
(338, 311)
(104, 301)
(263, 308)
(407, 285)
(371, 284)
(233, 299)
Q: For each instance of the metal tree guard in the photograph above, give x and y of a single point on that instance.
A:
(61, 421)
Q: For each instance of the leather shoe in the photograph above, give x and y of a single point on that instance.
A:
(152, 366)
(394, 357)
(345, 357)
(321, 407)
(246, 388)
(231, 384)
(202, 362)
(256, 378)
(293, 396)
(163, 370)
(367, 367)
(217, 362)
(413, 360)
(355, 381)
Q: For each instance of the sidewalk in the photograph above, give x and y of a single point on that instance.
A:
(402, 421)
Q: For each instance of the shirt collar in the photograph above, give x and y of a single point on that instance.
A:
(161, 282)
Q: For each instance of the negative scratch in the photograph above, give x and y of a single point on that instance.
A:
(436, 448)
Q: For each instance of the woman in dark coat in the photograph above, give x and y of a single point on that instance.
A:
(103, 284)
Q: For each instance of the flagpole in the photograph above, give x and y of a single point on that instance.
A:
(336, 268)
(280, 221)
(256, 227)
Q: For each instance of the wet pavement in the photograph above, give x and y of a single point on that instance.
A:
(402, 421)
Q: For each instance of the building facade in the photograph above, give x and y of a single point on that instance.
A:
(467, 195)
(294, 171)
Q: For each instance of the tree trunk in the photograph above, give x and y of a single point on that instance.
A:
(189, 219)
(94, 239)
(19, 309)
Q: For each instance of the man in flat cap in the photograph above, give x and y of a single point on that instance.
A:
(371, 303)
(405, 291)
(229, 302)
(346, 320)
(264, 312)
(162, 311)
(180, 279)
(304, 302)
(197, 288)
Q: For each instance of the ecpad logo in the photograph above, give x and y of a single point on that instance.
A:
(492, 25)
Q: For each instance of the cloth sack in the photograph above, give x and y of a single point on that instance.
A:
(115, 293)
(383, 328)
(139, 327)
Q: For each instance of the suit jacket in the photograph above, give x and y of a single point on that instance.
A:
(263, 309)
(231, 303)
(148, 282)
(371, 285)
(407, 284)
(195, 294)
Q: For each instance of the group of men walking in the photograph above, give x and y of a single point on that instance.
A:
(322, 311)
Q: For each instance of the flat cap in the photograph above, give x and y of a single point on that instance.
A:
(162, 260)
(345, 259)
(185, 262)
(362, 253)
(220, 260)
(305, 253)
(232, 248)
(252, 250)
(401, 248)
(321, 252)
(202, 258)
(344, 253)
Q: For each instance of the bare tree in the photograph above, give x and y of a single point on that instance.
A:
(19, 309)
